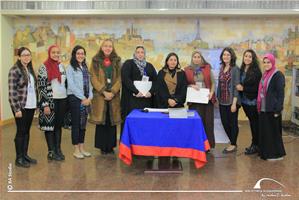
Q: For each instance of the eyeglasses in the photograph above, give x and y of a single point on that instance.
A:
(80, 54)
(26, 55)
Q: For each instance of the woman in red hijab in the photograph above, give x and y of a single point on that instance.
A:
(53, 101)
(270, 105)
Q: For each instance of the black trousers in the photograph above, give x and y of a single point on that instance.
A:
(252, 114)
(23, 131)
(230, 122)
(60, 106)
(78, 132)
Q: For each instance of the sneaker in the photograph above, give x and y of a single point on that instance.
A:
(85, 153)
(78, 155)
(226, 151)
(275, 159)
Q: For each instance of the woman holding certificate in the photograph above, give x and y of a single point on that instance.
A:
(171, 84)
(199, 75)
(133, 72)
(228, 96)
(105, 105)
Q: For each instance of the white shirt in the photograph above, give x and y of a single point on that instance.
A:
(59, 90)
(31, 95)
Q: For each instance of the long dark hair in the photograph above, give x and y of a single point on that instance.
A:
(254, 65)
(178, 66)
(74, 63)
(29, 66)
(232, 55)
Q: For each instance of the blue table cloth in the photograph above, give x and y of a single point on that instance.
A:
(155, 134)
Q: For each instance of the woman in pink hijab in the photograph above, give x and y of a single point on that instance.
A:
(270, 105)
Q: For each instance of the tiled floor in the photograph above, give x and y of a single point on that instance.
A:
(106, 177)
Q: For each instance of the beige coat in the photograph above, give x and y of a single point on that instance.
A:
(99, 81)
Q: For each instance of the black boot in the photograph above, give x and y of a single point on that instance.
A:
(20, 161)
(50, 142)
(253, 149)
(26, 157)
(57, 144)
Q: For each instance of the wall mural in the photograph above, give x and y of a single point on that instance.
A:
(161, 35)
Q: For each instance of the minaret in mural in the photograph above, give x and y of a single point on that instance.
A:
(197, 37)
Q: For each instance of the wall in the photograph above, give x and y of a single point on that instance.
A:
(6, 61)
(161, 35)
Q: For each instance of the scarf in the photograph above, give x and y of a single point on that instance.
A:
(52, 66)
(141, 64)
(267, 75)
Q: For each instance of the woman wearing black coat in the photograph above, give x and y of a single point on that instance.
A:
(250, 77)
(171, 84)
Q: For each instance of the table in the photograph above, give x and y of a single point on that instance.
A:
(155, 134)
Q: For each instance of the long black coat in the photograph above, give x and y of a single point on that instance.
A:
(129, 74)
(162, 91)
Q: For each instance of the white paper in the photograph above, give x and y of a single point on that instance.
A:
(157, 109)
(198, 96)
(143, 86)
(178, 113)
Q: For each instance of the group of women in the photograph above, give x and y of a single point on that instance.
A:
(96, 92)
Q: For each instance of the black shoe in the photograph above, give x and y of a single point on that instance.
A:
(30, 160)
(60, 154)
(111, 151)
(54, 156)
(253, 149)
(21, 162)
(104, 152)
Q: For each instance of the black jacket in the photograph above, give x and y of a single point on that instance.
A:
(275, 93)
(251, 84)
(129, 74)
(162, 90)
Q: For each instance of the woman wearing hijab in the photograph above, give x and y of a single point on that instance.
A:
(23, 102)
(199, 75)
(270, 105)
(105, 105)
(136, 69)
(53, 101)
(79, 97)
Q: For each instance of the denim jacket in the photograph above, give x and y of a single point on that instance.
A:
(75, 83)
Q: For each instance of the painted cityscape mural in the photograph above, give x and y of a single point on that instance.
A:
(161, 35)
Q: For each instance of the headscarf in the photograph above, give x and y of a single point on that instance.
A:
(263, 86)
(52, 66)
(141, 64)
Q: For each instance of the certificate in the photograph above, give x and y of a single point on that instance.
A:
(143, 86)
(198, 96)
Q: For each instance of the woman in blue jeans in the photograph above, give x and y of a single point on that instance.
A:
(79, 95)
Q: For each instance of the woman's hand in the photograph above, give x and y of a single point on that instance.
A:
(85, 102)
(233, 108)
(171, 102)
(108, 96)
(47, 110)
(239, 87)
(148, 95)
(18, 114)
(195, 87)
